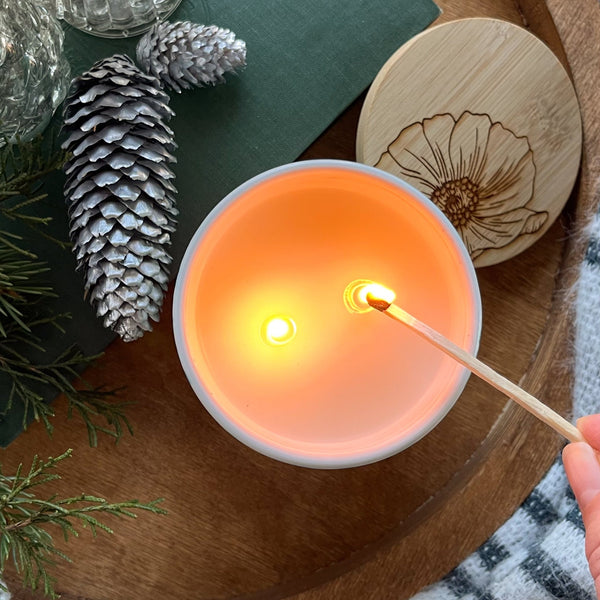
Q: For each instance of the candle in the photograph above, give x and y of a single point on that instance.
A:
(266, 334)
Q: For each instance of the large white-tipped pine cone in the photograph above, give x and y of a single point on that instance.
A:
(119, 191)
(184, 54)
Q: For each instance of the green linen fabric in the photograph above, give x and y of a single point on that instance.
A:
(307, 61)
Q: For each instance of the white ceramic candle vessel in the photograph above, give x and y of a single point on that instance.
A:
(267, 341)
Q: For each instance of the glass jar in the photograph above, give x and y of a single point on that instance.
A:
(34, 73)
(113, 18)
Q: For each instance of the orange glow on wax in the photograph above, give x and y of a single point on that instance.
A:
(279, 330)
(289, 247)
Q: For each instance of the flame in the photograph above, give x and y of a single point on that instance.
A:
(358, 291)
(278, 330)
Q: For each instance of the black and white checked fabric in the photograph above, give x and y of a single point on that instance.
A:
(539, 553)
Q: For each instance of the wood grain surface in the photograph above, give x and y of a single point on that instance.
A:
(241, 525)
(503, 114)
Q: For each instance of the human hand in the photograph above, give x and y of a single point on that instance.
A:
(582, 464)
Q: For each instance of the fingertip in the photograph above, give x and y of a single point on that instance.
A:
(583, 470)
(573, 448)
(589, 421)
(590, 428)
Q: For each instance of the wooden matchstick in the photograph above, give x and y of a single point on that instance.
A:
(513, 391)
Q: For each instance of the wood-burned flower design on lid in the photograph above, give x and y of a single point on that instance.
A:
(479, 173)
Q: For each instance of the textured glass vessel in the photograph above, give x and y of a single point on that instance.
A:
(113, 18)
(34, 73)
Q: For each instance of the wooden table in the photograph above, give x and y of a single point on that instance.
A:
(243, 526)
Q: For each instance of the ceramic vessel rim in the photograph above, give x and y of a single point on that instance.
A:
(291, 456)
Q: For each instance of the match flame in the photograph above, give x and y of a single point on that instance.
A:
(278, 330)
(362, 295)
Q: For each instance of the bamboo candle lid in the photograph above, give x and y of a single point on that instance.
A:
(481, 117)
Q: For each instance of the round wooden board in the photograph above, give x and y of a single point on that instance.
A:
(242, 526)
(480, 116)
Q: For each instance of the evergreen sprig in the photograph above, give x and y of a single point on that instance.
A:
(24, 518)
(27, 518)
(23, 168)
(25, 312)
(99, 414)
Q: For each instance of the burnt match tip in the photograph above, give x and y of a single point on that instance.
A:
(378, 303)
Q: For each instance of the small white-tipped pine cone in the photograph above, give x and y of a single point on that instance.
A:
(184, 54)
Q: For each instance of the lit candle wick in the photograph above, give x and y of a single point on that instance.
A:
(382, 299)
(278, 330)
